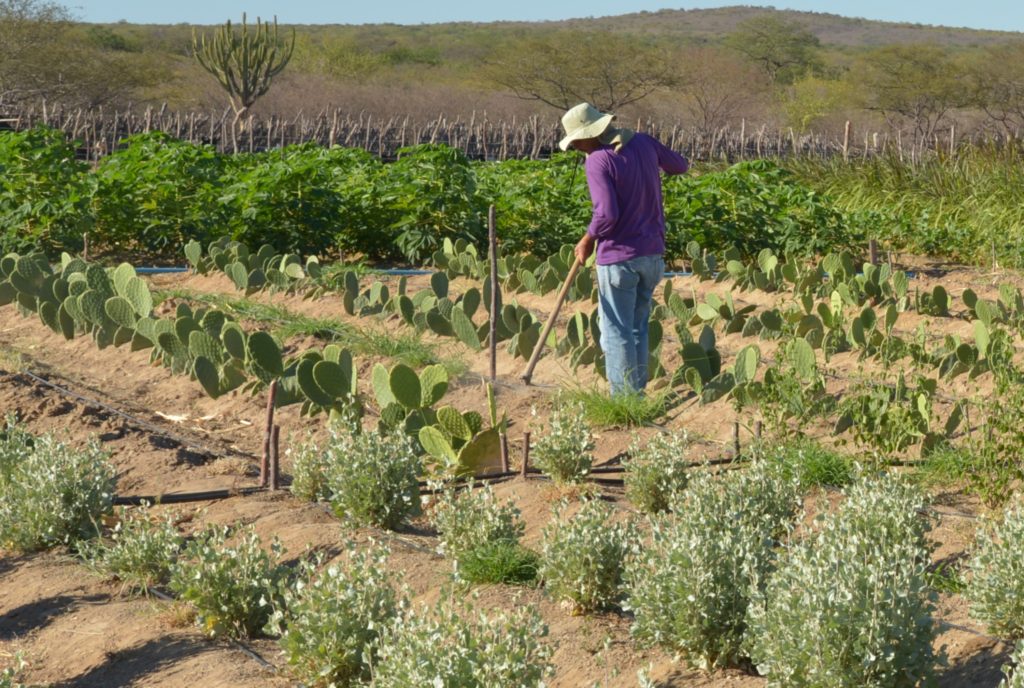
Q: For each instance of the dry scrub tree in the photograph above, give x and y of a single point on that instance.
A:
(564, 69)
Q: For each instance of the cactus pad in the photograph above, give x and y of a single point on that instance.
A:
(265, 353)
(120, 311)
(308, 385)
(464, 329)
(433, 384)
(436, 444)
(404, 384)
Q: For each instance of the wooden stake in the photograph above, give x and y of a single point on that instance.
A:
(846, 141)
(736, 438)
(758, 427)
(873, 251)
(504, 452)
(268, 435)
(492, 236)
(526, 453)
(275, 472)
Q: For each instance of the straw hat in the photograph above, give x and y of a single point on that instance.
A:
(583, 122)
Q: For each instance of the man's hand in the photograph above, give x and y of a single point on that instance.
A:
(584, 248)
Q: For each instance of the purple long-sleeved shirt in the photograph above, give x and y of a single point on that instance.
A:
(625, 189)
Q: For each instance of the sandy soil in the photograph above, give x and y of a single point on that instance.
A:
(78, 630)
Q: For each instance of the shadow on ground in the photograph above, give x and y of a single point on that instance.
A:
(126, 667)
(39, 613)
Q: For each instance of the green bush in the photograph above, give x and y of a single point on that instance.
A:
(850, 605)
(431, 189)
(996, 589)
(50, 493)
(233, 587)
(656, 471)
(9, 674)
(691, 588)
(45, 192)
(563, 451)
(582, 556)
(157, 193)
(454, 646)
(288, 198)
(471, 518)
(753, 205)
(330, 620)
(540, 204)
(372, 477)
(140, 552)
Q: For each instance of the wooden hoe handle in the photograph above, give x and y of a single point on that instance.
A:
(551, 321)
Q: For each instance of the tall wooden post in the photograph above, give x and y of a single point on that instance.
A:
(492, 236)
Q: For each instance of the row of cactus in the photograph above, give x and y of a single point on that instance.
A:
(1008, 309)
(520, 273)
(115, 306)
(834, 272)
(251, 272)
(78, 297)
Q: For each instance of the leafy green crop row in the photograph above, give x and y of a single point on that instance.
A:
(156, 193)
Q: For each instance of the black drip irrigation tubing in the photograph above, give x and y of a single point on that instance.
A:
(132, 420)
(216, 495)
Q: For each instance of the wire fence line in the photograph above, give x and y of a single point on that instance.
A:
(99, 131)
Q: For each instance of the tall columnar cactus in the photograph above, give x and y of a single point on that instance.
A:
(245, 62)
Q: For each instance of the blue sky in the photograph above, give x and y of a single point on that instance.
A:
(983, 14)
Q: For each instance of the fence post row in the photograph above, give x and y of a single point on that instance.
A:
(481, 138)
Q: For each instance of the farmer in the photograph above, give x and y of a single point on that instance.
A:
(628, 225)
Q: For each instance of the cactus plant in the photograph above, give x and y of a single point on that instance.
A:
(244, 63)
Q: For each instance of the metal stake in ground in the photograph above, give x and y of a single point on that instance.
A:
(551, 321)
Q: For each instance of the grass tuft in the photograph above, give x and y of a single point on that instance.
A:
(499, 561)
(810, 463)
(404, 347)
(605, 411)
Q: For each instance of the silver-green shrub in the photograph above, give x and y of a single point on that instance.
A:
(582, 557)
(472, 517)
(9, 675)
(1014, 674)
(309, 465)
(50, 493)
(233, 587)
(996, 589)
(329, 621)
(690, 589)
(140, 551)
(849, 605)
(311, 458)
(453, 646)
(563, 451)
(656, 471)
(372, 477)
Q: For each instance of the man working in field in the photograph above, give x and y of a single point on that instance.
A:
(628, 225)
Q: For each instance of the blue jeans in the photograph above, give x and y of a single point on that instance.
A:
(625, 290)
